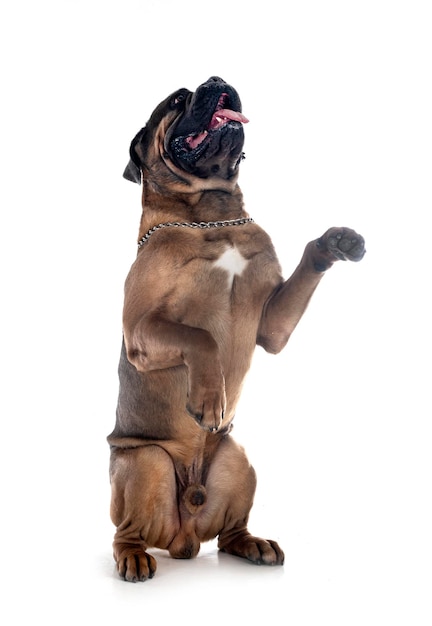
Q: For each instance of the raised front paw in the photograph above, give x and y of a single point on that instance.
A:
(342, 244)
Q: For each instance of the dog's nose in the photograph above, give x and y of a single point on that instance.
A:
(215, 79)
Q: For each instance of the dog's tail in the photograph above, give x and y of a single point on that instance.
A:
(194, 497)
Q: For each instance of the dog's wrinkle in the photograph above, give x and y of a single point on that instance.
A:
(197, 416)
(127, 523)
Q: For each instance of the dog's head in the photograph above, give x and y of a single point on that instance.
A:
(193, 139)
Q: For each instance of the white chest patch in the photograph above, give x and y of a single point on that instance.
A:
(232, 262)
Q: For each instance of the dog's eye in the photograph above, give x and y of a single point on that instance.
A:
(178, 99)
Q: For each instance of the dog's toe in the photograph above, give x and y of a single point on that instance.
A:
(137, 567)
(259, 551)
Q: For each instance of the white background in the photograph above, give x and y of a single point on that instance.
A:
(338, 426)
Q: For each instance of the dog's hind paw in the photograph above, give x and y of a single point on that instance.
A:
(259, 551)
(135, 565)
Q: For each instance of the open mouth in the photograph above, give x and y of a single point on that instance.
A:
(221, 117)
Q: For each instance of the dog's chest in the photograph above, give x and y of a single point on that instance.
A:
(232, 262)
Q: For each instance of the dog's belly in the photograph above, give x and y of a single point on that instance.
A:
(219, 286)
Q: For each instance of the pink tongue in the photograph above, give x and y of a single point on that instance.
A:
(194, 141)
(221, 116)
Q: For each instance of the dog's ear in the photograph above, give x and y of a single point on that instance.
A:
(132, 172)
(133, 168)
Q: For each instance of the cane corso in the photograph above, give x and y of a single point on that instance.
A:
(205, 289)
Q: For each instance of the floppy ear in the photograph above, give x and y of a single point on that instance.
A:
(132, 172)
(133, 168)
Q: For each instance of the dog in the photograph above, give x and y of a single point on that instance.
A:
(204, 290)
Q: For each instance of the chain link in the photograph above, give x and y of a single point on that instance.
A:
(218, 224)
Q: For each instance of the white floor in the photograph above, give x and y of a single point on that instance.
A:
(343, 487)
(357, 575)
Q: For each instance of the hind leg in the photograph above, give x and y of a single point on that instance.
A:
(230, 488)
(143, 508)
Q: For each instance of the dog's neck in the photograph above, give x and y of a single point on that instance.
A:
(201, 225)
(201, 207)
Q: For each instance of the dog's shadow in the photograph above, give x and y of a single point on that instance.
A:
(209, 566)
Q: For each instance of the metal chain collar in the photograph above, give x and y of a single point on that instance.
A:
(220, 224)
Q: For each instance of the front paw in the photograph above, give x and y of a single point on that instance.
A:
(342, 244)
(207, 407)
